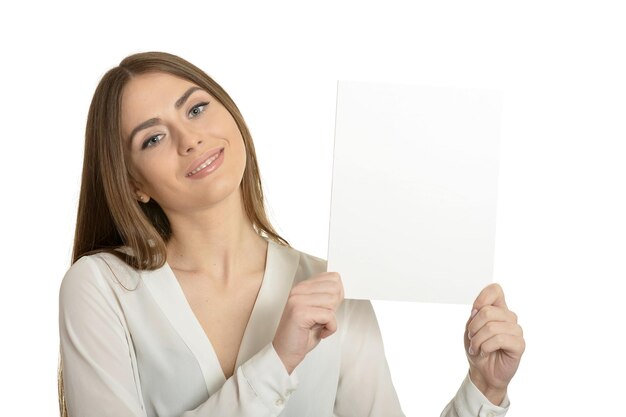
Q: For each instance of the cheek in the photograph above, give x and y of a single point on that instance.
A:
(237, 136)
(134, 173)
(242, 150)
(151, 172)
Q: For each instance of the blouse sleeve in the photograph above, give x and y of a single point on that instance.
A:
(470, 402)
(97, 360)
(365, 387)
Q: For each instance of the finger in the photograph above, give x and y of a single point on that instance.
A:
(332, 288)
(490, 295)
(513, 345)
(324, 277)
(329, 329)
(326, 286)
(488, 314)
(314, 317)
(330, 276)
(320, 300)
(491, 329)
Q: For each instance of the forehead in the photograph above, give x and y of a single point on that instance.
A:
(146, 95)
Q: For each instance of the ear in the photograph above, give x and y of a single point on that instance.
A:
(138, 192)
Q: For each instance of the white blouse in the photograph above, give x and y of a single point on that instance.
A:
(132, 346)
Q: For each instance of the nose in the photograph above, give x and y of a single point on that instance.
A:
(188, 140)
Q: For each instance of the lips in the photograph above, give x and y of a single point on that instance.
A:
(208, 155)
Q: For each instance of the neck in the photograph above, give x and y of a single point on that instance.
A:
(219, 242)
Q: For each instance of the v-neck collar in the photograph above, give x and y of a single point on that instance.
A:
(281, 264)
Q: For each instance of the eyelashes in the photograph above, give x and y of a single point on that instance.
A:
(148, 143)
(193, 113)
(197, 110)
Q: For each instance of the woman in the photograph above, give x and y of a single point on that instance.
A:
(182, 300)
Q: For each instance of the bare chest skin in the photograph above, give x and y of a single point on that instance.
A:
(222, 310)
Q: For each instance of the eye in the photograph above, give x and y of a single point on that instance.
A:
(152, 141)
(197, 109)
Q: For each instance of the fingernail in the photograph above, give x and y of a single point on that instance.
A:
(474, 311)
(471, 351)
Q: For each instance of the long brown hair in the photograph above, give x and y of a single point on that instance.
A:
(109, 217)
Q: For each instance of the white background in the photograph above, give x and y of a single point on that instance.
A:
(561, 245)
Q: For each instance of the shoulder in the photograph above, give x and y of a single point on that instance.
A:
(82, 274)
(309, 264)
(97, 275)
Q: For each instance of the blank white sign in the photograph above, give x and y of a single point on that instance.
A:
(414, 190)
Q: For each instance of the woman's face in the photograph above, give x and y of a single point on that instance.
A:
(172, 128)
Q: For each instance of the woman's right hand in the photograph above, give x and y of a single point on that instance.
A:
(309, 317)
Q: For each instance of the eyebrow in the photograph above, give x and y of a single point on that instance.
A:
(179, 103)
(154, 121)
(148, 123)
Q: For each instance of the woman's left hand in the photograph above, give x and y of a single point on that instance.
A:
(494, 343)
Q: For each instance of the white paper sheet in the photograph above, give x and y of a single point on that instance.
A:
(414, 190)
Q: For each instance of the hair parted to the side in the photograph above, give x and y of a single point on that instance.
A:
(109, 217)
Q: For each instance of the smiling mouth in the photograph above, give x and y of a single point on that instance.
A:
(205, 164)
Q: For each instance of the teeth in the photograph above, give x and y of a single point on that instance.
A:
(205, 164)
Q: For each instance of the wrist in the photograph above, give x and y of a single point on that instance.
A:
(288, 362)
(495, 395)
